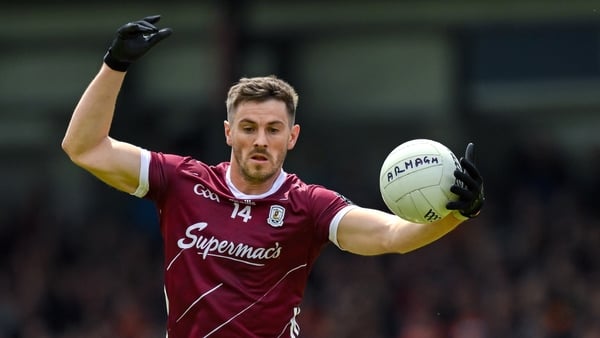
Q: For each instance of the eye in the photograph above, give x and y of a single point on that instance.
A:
(248, 129)
(273, 130)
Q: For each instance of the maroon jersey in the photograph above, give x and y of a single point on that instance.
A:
(235, 265)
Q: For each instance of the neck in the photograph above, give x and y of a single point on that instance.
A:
(250, 187)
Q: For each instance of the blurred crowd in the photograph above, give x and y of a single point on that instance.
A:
(98, 279)
(528, 267)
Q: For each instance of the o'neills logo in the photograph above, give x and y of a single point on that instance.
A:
(211, 246)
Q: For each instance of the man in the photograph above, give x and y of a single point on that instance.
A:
(240, 237)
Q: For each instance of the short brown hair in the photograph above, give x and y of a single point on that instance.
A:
(261, 89)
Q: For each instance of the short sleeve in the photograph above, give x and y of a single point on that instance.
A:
(143, 184)
(328, 208)
(333, 226)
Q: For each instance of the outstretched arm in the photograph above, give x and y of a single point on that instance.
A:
(87, 140)
(372, 232)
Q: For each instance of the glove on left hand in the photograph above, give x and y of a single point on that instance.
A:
(468, 187)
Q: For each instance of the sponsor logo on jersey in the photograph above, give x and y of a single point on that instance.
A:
(215, 247)
(276, 215)
(201, 190)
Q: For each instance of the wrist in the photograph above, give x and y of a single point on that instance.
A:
(459, 216)
(114, 64)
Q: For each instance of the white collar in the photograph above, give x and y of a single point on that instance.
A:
(240, 195)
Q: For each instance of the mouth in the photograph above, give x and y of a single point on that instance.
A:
(259, 158)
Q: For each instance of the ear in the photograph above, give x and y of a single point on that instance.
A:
(227, 128)
(294, 134)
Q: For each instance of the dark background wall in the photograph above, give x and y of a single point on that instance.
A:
(520, 79)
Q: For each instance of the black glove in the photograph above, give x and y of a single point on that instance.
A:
(468, 186)
(132, 41)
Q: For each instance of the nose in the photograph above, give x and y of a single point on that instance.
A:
(261, 139)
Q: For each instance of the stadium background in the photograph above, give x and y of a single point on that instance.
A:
(519, 78)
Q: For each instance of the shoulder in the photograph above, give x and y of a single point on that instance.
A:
(181, 162)
(166, 167)
(313, 193)
(173, 160)
(170, 173)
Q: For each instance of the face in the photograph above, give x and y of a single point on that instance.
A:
(260, 136)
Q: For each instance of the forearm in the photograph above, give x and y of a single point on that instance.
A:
(406, 237)
(373, 232)
(92, 117)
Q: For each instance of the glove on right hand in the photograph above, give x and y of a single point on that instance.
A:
(132, 41)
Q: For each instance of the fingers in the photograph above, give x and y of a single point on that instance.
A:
(147, 24)
(468, 187)
(465, 198)
(468, 162)
(152, 19)
(162, 34)
(470, 152)
(469, 182)
(133, 40)
(146, 28)
(470, 169)
(457, 205)
(134, 29)
(463, 194)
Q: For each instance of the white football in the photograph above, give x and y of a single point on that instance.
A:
(415, 180)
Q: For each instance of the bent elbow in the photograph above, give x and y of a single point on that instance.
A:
(70, 149)
(66, 146)
(75, 151)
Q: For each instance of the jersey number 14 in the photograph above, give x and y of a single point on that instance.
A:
(245, 212)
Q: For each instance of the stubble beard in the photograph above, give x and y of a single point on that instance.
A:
(257, 174)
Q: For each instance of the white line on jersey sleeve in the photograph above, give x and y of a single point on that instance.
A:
(144, 184)
(333, 226)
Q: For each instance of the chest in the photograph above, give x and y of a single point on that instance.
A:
(203, 218)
